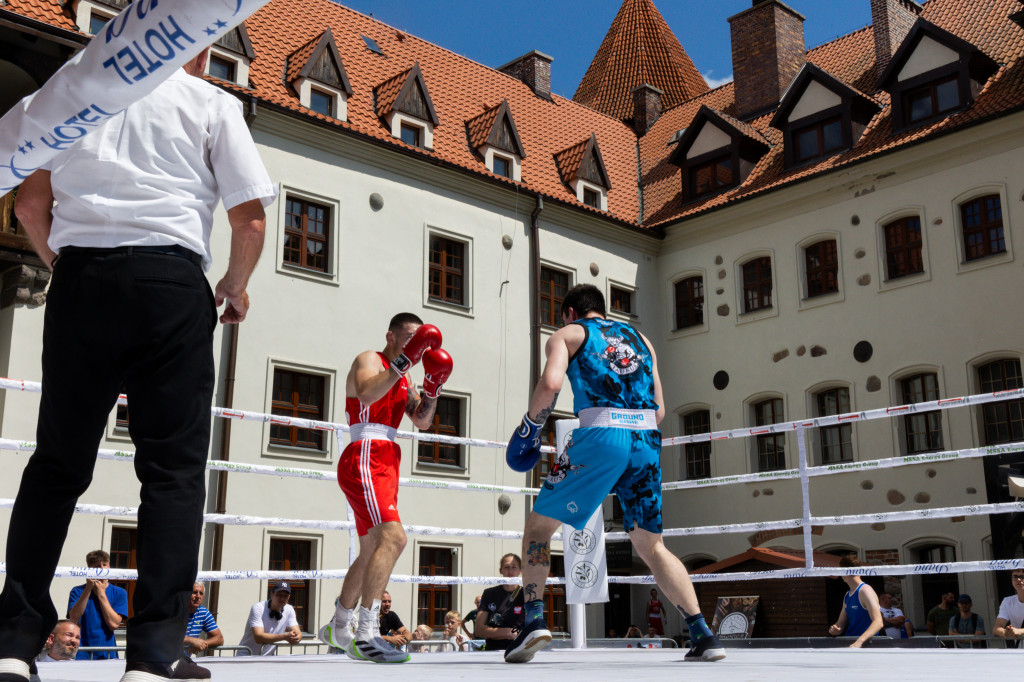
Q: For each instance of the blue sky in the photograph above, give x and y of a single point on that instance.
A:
(494, 32)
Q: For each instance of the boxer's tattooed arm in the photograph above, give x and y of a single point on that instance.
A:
(538, 554)
(530, 592)
(543, 415)
(419, 406)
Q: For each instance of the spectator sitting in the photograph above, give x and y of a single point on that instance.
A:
(967, 623)
(612, 634)
(907, 631)
(938, 618)
(62, 644)
(98, 607)
(452, 621)
(422, 633)
(392, 630)
(892, 616)
(652, 633)
(633, 632)
(200, 621)
(270, 622)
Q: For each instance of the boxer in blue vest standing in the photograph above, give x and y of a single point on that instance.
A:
(617, 396)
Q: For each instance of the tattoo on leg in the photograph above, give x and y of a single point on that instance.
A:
(685, 613)
(538, 554)
(543, 415)
(531, 592)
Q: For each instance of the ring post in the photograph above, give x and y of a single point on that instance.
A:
(806, 498)
(578, 625)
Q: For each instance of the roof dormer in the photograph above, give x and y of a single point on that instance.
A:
(932, 75)
(317, 75)
(231, 56)
(582, 169)
(404, 103)
(821, 116)
(716, 152)
(493, 136)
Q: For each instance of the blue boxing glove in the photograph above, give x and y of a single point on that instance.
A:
(523, 451)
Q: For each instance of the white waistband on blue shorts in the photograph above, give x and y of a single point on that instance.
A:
(613, 417)
(372, 432)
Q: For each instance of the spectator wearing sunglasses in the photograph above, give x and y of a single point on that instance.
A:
(270, 622)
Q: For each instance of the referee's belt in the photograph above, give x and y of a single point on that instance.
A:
(369, 431)
(168, 250)
(613, 417)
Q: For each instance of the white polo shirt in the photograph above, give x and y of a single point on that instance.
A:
(152, 175)
(259, 617)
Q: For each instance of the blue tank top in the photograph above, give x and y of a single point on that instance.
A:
(612, 368)
(858, 618)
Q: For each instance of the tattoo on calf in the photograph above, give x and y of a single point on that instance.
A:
(684, 612)
(531, 592)
(538, 554)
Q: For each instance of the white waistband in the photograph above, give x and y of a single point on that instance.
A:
(369, 431)
(613, 417)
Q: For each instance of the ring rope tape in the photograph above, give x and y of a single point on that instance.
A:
(831, 420)
(783, 574)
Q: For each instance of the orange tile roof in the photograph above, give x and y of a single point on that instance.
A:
(479, 129)
(48, 11)
(569, 160)
(386, 94)
(298, 59)
(783, 558)
(851, 59)
(639, 48)
(461, 89)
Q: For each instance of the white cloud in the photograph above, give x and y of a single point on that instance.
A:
(715, 82)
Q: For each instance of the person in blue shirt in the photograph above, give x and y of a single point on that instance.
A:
(861, 616)
(617, 396)
(201, 620)
(99, 608)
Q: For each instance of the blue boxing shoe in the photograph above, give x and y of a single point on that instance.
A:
(523, 451)
(532, 638)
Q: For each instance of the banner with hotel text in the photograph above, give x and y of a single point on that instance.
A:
(133, 53)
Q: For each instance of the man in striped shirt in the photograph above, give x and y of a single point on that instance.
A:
(200, 621)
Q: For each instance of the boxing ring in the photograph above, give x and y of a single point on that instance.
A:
(597, 663)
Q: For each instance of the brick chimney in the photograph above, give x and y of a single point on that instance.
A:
(892, 21)
(646, 107)
(767, 54)
(534, 69)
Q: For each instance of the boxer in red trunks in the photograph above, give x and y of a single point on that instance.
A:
(378, 393)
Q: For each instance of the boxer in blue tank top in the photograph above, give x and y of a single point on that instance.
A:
(617, 396)
(861, 616)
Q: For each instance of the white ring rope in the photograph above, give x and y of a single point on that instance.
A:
(803, 473)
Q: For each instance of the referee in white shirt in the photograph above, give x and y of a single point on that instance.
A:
(129, 306)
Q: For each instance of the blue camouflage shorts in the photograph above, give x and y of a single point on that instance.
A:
(598, 460)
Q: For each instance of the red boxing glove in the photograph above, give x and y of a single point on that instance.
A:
(437, 367)
(427, 336)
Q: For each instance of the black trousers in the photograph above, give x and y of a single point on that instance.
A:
(143, 321)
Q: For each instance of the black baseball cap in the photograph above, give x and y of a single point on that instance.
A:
(282, 586)
(965, 597)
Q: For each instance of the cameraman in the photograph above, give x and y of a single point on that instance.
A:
(501, 608)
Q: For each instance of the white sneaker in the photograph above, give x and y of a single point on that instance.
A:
(337, 636)
(376, 650)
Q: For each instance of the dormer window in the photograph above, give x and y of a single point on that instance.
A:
(502, 166)
(582, 169)
(716, 153)
(711, 176)
(321, 102)
(92, 15)
(411, 135)
(493, 136)
(317, 75)
(818, 139)
(932, 99)
(932, 75)
(221, 68)
(230, 57)
(821, 116)
(97, 20)
(404, 105)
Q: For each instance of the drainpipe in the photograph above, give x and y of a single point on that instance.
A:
(220, 478)
(534, 292)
